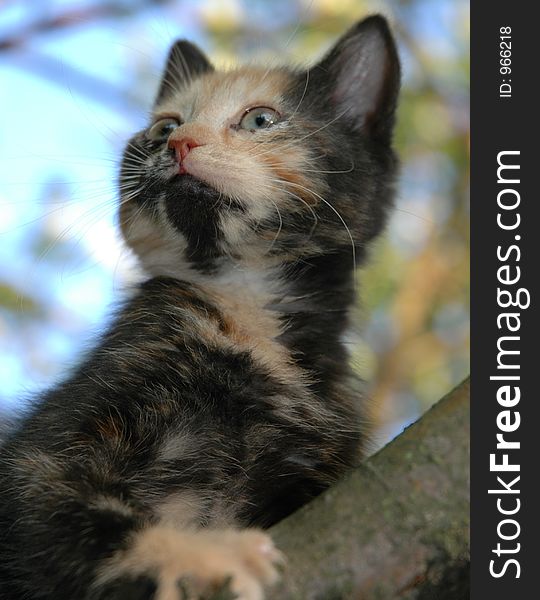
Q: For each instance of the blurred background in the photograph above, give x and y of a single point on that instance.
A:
(78, 77)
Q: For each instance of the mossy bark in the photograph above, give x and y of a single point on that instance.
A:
(396, 527)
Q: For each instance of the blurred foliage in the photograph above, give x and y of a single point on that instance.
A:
(414, 312)
(15, 300)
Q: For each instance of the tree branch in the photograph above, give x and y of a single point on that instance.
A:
(397, 527)
(70, 18)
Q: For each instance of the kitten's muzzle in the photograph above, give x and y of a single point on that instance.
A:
(182, 147)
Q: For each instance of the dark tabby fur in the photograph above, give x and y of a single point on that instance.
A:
(220, 398)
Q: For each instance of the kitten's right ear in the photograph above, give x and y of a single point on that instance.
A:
(185, 63)
(360, 77)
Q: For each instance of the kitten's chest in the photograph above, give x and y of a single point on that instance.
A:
(247, 301)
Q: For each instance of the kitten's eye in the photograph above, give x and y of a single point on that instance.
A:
(162, 129)
(260, 117)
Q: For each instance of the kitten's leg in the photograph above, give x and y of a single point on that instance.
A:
(169, 564)
(73, 530)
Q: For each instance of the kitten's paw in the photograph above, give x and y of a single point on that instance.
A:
(166, 564)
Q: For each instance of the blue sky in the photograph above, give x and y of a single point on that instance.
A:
(59, 147)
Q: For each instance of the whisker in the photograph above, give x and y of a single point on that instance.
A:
(279, 228)
(302, 97)
(353, 249)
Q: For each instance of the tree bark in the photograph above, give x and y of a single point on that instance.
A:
(396, 527)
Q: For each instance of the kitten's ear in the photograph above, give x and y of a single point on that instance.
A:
(361, 75)
(185, 63)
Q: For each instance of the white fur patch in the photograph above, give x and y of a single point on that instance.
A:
(209, 557)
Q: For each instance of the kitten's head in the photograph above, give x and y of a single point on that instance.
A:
(264, 164)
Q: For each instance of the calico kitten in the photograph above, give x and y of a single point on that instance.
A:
(220, 399)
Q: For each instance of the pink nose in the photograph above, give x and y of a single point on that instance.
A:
(182, 147)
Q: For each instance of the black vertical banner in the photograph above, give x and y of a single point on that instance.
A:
(505, 170)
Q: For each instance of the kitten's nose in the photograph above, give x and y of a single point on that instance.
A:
(182, 146)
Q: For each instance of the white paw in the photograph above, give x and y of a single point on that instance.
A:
(190, 565)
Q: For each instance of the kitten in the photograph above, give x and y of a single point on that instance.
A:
(220, 399)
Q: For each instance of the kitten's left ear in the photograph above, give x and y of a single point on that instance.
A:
(361, 74)
(184, 63)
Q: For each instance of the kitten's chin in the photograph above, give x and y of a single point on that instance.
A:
(188, 184)
(191, 192)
